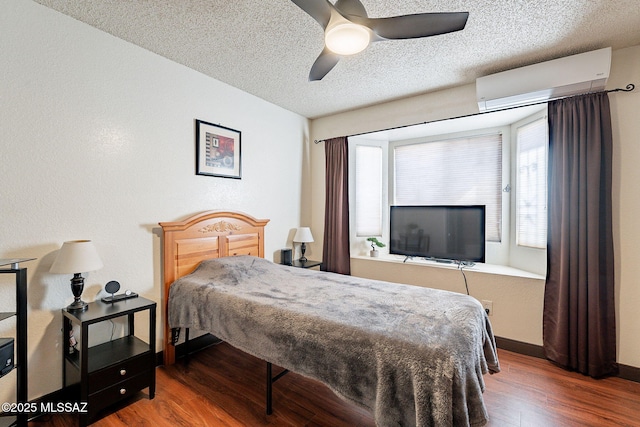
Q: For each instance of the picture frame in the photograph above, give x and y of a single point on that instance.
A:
(218, 151)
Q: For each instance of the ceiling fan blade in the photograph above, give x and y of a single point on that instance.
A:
(320, 10)
(351, 8)
(415, 26)
(324, 63)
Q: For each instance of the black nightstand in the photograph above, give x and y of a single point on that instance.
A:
(307, 264)
(107, 373)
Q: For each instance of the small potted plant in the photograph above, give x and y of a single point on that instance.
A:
(375, 242)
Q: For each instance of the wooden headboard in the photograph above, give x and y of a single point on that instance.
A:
(212, 234)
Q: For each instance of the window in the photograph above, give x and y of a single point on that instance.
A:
(496, 159)
(368, 177)
(531, 188)
(461, 171)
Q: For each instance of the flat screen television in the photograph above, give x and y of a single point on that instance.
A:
(442, 233)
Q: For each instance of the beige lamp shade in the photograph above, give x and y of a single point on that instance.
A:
(76, 256)
(303, 234)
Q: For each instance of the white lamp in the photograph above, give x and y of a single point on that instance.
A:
(304, 236)
(76, 257)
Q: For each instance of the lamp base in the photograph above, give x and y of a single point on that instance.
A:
(77, 307)
(77, 286)
(303, 248)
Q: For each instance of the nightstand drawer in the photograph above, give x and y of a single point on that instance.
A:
(116, 392)
(119, 372)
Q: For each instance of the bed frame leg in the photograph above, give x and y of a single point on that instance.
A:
(269, 390)
(270, 380)
(186, 346)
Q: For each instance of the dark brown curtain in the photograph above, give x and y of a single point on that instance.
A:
(335, 251)
(579, 313)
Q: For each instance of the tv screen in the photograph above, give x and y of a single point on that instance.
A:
(438, 232)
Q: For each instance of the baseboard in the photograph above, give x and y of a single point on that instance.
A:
(630, 373)
(520, 347)
(625, 372)
(195, 344)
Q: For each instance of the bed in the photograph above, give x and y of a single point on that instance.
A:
(409, 355)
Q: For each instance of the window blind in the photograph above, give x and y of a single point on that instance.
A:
(368, 190)
(531, 185)
(464, 171)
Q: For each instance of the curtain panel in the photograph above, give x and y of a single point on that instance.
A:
(579, 331)
(335, 251)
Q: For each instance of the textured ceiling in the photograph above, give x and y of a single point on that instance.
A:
(266, 47)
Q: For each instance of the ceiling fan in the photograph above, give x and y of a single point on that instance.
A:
(348, 30)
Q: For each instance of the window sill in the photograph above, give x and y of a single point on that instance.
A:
(478, 267)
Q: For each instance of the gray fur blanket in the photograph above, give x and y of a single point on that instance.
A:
(412, 356)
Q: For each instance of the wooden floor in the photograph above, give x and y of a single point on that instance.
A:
(225, 387)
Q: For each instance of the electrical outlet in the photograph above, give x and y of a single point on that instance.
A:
(488, 306)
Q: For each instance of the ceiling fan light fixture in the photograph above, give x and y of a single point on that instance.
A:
(347, 38)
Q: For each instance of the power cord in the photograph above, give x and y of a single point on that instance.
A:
(461, 266)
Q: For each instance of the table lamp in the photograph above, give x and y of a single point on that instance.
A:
(303, 235)
(76, 257)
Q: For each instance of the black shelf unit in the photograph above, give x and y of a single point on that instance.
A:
(104, 374)
(20, 342)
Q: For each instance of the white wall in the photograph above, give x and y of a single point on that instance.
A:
(97, 139)
(517, 300)
(626, 201)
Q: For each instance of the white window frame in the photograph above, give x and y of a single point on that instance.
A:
(524, 257)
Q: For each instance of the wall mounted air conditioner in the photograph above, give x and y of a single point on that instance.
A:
(571, 75)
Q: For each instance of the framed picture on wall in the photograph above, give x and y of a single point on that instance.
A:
(217, 150)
